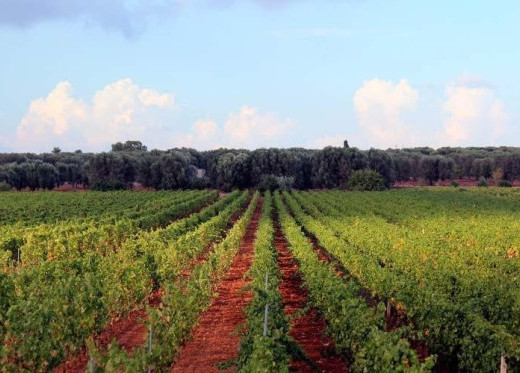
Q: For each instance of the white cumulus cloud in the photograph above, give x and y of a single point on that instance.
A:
(247, 128)
(475, 115)
(122, 110)
(328, 140)
(52, 115)
(205, 135)
(380, 106)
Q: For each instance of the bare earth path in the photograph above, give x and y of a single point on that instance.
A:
(307, 329)
(393, 320)
(129, 331)
(214, 338)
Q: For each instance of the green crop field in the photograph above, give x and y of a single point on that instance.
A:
(403, 280)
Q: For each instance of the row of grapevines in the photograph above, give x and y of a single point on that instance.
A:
(132, 208)
(357, 329)
(35, 208)
(479, 275)
(163, 215)
(463, 258)
(165, 256)
(138, 210)
(181, 304)
(452, 330)
(13, 237)
(184, 225)
(71, 240)
(168, 254)
(56, 306)
(269, 353)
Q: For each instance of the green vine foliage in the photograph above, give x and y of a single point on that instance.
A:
(183, 299)
(270, 353)
(356, 328)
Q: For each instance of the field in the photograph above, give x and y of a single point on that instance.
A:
(404, 280)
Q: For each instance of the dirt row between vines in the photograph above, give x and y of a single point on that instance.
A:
(307, 329)
(393, 320)
(130, 331)
(214, 339)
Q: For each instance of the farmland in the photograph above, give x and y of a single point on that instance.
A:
(403, 280)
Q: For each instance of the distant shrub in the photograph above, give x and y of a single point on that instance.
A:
(285, 182)
(4, 187)
(482, 183)
(200, 183)
(454, 184)
(365, 180)
(505, 184)
(272, 183)
(108, 185)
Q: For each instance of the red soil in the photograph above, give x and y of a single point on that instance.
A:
(308, 329)
(324, 256)
(70, 188)
(222, 194)
(393, 320)
(214, 339)
(128, 331)
(464, 182)
(202, 257)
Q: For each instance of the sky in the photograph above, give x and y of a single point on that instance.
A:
(258, 73)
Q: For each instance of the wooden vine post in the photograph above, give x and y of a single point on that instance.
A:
(266, 307)
(503, 364)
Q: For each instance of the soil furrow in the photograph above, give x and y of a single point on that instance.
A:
(393, 320)
(307, 329)
(203, 256)
(214, 339)
(130, 331)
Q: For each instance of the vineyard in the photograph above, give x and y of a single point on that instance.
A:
(196, 281)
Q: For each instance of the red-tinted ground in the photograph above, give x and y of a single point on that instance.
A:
(202, 257)
(465, 182)
(70, 188)
(394, 318)
(222, 194)
(324, 256)
(128, 331)
(308, 329)
(214, 339)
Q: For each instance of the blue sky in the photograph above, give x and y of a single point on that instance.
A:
(261, 73)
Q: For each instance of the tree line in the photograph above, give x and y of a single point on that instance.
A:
(331, 167)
